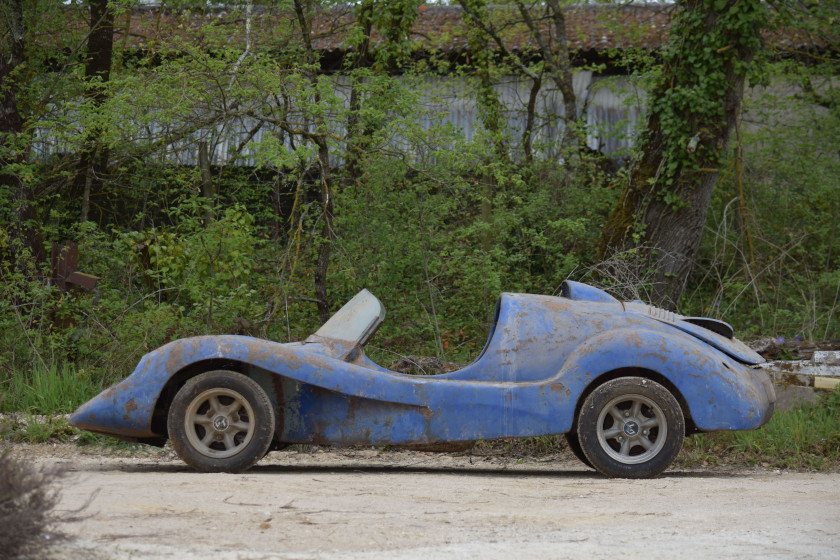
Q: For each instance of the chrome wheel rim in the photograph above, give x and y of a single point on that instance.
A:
(632, 429)
(219, 423)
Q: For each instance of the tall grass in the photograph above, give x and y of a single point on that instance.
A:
(47, 389)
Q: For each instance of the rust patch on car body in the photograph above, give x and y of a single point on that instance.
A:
(560, 388)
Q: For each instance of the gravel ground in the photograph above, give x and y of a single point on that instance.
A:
(372, 504)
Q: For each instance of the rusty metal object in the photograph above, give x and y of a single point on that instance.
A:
(64, 260)
(543, 357)
(780, 349)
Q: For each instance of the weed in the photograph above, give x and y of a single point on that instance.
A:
(535, 446)
(89, 438)
(26, 504)
(33, 429)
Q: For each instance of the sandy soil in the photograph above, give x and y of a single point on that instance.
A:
(370, 504)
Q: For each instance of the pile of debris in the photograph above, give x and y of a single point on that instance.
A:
(423, 365)
(781, 349)
(799, 363)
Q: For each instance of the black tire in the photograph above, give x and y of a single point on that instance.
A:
(574, 446)
(631, 427)
(221, 421)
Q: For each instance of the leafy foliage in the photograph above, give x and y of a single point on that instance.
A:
(434, 219)
(697, 83)
(775, 271)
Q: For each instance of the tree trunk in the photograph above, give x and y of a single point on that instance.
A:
(356, 131)
(24, 235)
(559, 66)
(491, 114)
(319, 139)
(693, 110)
(93, 161)
(561, 69)
(530, 119)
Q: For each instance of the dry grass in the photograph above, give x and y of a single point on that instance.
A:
(27, 499)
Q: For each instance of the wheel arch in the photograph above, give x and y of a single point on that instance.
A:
(180, 377)
(221, 422)
(636, 372)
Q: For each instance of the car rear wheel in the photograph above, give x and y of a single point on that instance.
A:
(631, 427)
(221, 421)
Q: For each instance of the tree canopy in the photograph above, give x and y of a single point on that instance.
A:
(247, 168)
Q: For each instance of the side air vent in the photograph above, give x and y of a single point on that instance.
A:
(662, 314)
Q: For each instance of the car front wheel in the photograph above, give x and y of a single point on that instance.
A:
(221, 421)
(631, 427)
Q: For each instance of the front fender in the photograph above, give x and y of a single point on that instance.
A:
(720, 393)
(126, 409)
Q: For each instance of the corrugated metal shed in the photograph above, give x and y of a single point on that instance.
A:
(610, 106)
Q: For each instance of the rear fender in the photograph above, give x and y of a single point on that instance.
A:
(720, 393)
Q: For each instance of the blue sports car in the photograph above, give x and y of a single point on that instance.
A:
(623, 380)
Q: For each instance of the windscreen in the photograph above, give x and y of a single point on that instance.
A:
(357, 321)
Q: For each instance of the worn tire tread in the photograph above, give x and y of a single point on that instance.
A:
(256, 449)
(600, 397)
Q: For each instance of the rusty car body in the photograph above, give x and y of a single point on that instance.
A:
(623, 380)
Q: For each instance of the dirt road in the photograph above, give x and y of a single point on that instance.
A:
(367, 504)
